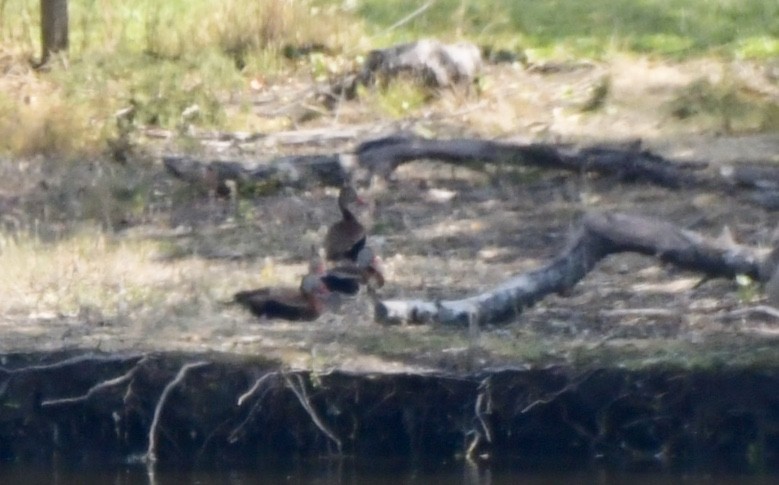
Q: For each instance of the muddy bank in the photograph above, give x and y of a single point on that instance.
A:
(221, 409)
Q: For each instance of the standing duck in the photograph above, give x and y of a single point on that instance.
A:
(305, 303)
(345, 238)
(346, 279)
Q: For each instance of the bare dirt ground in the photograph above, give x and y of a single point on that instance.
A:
(157, 281)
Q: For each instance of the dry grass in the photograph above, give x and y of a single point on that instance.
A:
(163, 288)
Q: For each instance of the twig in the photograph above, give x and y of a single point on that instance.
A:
(762, 309)
(640, 312)
(410, 16)
(97, 387)
(151, 453)
(300, 392)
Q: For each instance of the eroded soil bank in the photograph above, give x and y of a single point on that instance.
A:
(218, 409)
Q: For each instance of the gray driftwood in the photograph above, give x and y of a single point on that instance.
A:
(600, 235)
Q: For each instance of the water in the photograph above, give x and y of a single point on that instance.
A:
(344, 472)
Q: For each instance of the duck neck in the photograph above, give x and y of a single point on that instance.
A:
(347, 213)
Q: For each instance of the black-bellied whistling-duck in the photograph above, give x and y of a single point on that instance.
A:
(346, 279)
(305, 303)
(345, 238)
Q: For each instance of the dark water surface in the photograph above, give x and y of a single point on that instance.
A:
(345, 472)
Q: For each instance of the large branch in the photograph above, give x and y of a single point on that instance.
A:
(384, 155)
(601, 234)
(629, 163)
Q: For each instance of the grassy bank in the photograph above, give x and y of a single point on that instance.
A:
(162, 59)
(72, 220)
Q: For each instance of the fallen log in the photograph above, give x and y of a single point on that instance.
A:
(382, 156)
(600, 235)
(297, 171)
(631, 163)
(628, 163)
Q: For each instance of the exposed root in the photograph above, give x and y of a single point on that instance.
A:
(569, 387)
(482, 407)
(127, 376)
(236, 433)
(255, 387)
(80, 359)
(470, 453)
(302, 395)
(151, 453)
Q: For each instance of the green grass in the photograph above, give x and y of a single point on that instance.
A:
(163, 58)
(726, 106)
(594, 28)
(159, 59)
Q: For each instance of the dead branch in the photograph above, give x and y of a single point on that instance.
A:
(151, 453)
(302, 395)
(627, 162)
(409, 17)
(758, 309)
(127, 376)
(639, 312)
(600, 235)
(382, 156)
(759, 180)
(296, 171)
(757, 176)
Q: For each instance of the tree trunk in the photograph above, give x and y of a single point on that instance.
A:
(54, 28)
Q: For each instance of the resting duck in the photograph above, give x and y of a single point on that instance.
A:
(306, 303)
(367, 270)
(345, 238)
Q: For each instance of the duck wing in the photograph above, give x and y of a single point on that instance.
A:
(286, 304)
